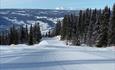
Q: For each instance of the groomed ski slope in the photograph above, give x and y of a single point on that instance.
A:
(52, 54)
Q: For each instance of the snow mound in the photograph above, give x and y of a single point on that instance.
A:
(43, 43)
(57, 37)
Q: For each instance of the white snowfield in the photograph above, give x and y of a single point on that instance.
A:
(52, 54)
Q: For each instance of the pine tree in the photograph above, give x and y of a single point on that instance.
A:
(84, 27)
(57, 29)
(86, 23)
(64, 28)
(14, 36)
(77, 22)
(22, 34)
(75, 38)
(103, 36)
(49, 33)
(37, 33)
(6, 39)
(26, 34)
(97, 27)
(69, 27)
(0, 38)
(112, 28)
(90, 35)
(31, 38)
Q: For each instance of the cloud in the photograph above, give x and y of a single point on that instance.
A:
(60, 8)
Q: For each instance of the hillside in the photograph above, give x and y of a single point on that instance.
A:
(46, 17)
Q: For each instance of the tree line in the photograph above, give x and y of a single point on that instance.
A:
(21, 35)
(91, 27)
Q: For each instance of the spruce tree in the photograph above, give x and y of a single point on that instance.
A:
(26, 34)
(0, 39)
(97, 27)
(69, 27)
(86, 23)
(112, 28)
(37, 32)
(22, 34)
(14, 35)
(75, 38)
(77, 29)
(63, 28)
(31, 38)
(80, 25)
(57, 29)
(103, 36)
(90, 35)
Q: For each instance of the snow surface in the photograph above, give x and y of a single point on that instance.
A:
(54, 20)
(52, 54)
(20, 13)
(45, 27)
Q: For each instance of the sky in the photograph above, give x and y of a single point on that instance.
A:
(56, 4)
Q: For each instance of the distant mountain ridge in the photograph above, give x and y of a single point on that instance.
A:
(46, 17)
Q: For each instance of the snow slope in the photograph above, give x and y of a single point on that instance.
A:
(52, 54)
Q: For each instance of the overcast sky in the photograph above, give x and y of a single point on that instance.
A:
(56, 4)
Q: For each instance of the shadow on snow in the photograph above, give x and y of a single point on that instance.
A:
(53, 63)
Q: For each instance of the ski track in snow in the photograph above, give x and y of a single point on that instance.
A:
(52, 54)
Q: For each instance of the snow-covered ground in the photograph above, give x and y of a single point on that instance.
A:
(52, 54)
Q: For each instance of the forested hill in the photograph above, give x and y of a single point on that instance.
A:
(46, 17)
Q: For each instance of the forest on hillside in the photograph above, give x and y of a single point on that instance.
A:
(22, 35)
(92, 27)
